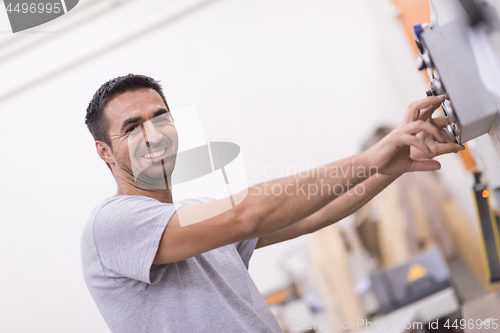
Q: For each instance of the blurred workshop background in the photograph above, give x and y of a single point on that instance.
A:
(294, 83)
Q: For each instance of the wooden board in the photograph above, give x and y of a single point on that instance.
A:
(333, 271)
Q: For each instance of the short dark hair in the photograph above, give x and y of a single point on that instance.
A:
(95, 120)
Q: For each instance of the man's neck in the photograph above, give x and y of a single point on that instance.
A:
(162, 195)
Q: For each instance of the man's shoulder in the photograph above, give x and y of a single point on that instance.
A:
(195, 201)
(118, 207)
(124, 206)
(119, 199)
(126, 199)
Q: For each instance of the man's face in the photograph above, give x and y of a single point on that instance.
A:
(143, 138)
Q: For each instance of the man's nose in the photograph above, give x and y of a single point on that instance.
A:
(151, 133)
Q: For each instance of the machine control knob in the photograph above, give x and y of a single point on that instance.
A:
(449, 111)
(452, 133)
(418, 29)
(432, 91)
(420, 63)
(438, 86)
(427, 60)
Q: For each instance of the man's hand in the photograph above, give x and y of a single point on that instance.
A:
(412, 145)
(437, 148)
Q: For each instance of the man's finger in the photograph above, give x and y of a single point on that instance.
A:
(441, 122)
(412, 141)
(426, 113)
(424, 165)
(415, 107)
(420, 126)
(446, 148)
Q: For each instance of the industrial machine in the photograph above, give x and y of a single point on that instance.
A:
(460, 49)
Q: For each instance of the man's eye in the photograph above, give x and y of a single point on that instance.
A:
(134, 129)
(162, 119)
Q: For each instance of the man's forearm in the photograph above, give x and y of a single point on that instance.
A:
(335, 211)
(275, 205)
(350, 202)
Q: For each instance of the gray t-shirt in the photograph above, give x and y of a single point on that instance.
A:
(211, 292)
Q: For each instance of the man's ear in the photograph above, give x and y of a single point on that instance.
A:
(104, 152)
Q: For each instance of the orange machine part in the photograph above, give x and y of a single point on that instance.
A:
(467, 159)
(413, 12)
(277, 297)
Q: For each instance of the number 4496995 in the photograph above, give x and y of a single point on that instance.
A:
(471, 323)
(34, 8)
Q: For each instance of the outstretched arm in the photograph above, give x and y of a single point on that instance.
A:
(262, 213)
(335, 211)
(357, 197)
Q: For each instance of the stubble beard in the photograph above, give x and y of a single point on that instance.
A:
(158, 175)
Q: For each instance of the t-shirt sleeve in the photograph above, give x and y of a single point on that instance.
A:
(245, 249)
(127, 234)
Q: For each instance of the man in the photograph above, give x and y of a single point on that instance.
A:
(150, 272)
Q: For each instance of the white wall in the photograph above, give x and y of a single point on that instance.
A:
(293, 82)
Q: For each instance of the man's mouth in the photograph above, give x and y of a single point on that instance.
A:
(155, 155)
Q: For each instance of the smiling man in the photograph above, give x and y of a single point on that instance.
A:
(148, 273)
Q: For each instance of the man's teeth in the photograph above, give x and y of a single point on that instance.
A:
(155, 154)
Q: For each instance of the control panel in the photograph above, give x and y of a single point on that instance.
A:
(451, 53)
